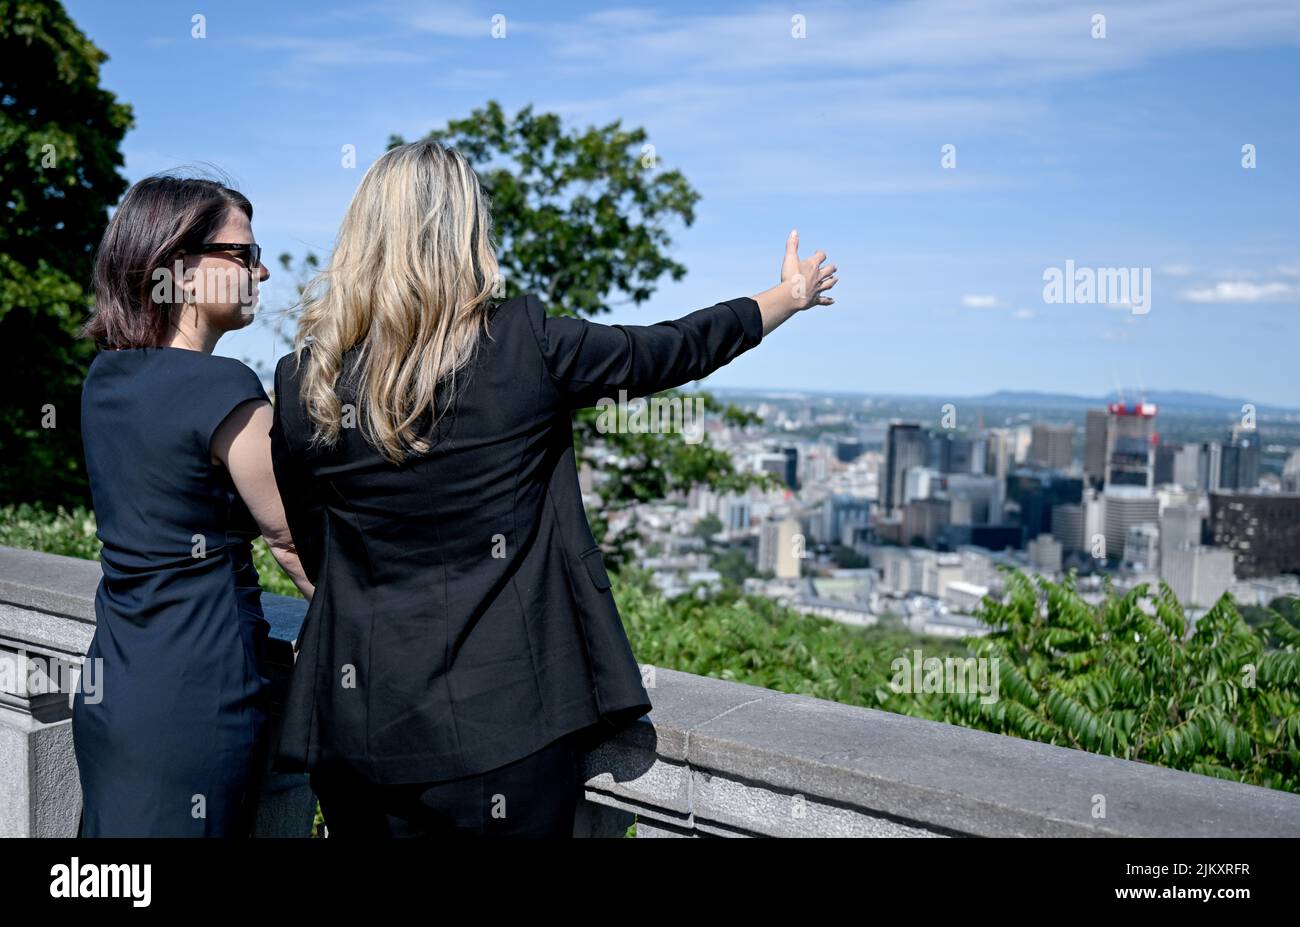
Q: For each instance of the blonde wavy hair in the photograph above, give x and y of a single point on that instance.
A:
(409, 282)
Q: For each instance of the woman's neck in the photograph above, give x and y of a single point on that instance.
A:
(193, 338)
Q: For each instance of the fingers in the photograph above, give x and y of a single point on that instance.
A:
(827, 282)
(817, 257)
(792, 242)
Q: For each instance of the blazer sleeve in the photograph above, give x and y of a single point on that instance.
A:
(302, 509)
(588, 360)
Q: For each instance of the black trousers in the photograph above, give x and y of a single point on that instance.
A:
(535, 796)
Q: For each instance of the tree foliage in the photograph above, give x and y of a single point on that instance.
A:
(1131, 677)
(60, 137)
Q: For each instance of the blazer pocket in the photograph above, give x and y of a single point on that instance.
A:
(596, 568)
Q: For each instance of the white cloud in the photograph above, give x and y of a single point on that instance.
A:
(980, 302)
(1025, 314)
(1242, 291)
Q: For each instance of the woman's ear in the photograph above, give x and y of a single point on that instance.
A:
(189, 285)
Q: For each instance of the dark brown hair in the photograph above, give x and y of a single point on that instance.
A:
(157, 219)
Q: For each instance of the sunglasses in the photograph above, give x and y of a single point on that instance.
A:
(252, 252)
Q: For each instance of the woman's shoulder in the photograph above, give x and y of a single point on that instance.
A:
(180, 363)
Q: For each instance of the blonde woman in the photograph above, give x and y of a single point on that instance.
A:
(462, 647)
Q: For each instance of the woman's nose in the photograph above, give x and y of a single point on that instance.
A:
(262, 272)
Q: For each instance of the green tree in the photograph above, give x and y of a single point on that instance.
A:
(60, 137)
(580, 218)
(1130, 677)
(707, 527)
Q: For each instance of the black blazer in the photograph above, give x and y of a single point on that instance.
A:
(463, 616)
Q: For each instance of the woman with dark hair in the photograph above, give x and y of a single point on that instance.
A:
(178, 455)
(464, 648)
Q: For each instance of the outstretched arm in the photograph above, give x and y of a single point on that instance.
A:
(588, 361)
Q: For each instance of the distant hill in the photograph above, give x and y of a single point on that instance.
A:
(1166, 400)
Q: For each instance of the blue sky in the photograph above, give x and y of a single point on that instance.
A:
(1122, 151)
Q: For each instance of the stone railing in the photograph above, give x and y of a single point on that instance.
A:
(714, 758)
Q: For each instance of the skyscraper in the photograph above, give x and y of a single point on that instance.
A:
(906, 446)
(1052, 446)
(1094, 447)
(1240, 469)
(1262, 531)
(1130, 445)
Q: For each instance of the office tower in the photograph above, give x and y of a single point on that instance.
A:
(773, 463)
(1045, 554)
(1122, 508)
(1240, 470)
(736, 513)
(840, 511)
(1052, 446)
(1094, 447)
(1262, 531)
(777, 550)
(953, 453)
(1094, 518)
(791, 474)
(1142, 548)
(906, 446)
(999, 458)
(922, 519)
(1130, 445)
(1067, 526)
(1210, 466)
(1035, 492)
(1177, 465)
(1291, 473)
(1198, 575)
(917, 483)
(848, 450)
(1180, 527)
(984, 495)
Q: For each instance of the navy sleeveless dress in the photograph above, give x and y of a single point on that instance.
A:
(170, 733)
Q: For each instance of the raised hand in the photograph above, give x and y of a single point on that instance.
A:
(807, 279)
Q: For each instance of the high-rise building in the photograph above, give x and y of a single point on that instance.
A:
(1142, 548)
(1262, 531)
(1067, 526)
(1291, 473)
(791, 473)
(848, 450)
(922, 519)
(1178, 465)
(956, 453)
(736, 512)
(779, 548)
(1240, 470)
(1094, 446)
(1198, 575)
(1210, 466)
(906, 446)
(1130, 445)
(839, 511)
(1052, 446)
(1180, 527)
(1122, 508)
(1035, 492)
